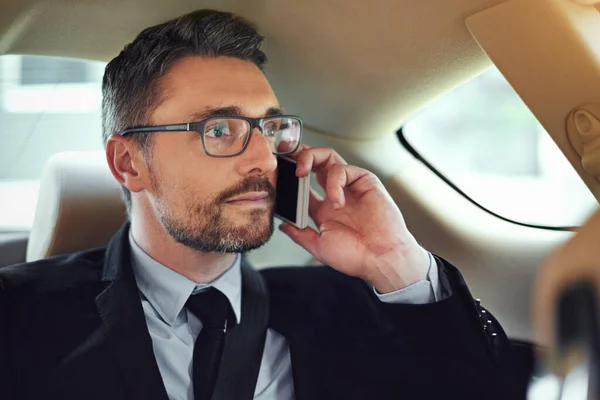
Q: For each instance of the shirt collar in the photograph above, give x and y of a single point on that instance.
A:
(168, 291)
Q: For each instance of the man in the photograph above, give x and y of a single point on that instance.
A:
(192, 129)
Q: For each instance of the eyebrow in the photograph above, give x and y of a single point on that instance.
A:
(230, 111)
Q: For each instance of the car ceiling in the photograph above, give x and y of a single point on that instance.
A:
(369, 64)
(358, 70)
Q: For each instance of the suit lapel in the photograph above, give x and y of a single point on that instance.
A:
(124, 323)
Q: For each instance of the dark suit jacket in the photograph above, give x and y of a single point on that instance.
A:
(72, 327)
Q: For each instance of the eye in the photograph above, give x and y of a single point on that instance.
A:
(219, 129)
(271, 128)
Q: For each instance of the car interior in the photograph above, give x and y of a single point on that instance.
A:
(469, 111)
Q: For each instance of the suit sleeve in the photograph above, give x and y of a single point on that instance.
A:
(426, 291)
(459, 342)
(6, 379)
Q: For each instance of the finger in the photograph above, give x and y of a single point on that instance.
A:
(333, 226)
(315, 159)
(307, 237)
(340, 177)
(315, 201)
(318, 160)
(321, 177)
(301, 147)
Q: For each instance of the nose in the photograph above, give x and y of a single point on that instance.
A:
(257, 159)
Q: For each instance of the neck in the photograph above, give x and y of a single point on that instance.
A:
(197, 266)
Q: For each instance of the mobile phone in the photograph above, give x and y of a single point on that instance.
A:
(291, 196)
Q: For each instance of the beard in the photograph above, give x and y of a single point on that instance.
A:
(206, 229)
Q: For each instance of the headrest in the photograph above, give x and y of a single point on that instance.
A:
(79, 205)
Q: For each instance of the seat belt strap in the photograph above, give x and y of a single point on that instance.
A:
(245, 341)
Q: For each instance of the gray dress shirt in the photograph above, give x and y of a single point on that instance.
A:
(173, 329)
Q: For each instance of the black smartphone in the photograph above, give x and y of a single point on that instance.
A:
(291, 197)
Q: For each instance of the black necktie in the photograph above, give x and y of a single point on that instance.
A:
(212, 308)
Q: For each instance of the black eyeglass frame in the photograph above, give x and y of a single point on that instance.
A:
(200, 126)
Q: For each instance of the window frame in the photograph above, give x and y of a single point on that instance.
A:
(83, 102)
(406, 144)
(21, 98)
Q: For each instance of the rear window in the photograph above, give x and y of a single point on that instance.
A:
(483, 139)
(47, 105)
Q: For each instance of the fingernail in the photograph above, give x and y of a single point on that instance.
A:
(337, 206)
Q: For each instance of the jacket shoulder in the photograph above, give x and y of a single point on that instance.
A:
(322, 283)
(54, 274)
(305, 297)
(307, 275)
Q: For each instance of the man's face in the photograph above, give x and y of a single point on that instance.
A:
(191, 193)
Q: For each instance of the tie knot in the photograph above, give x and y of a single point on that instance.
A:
(211, 307)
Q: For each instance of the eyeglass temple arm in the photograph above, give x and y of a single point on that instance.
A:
(157, 128)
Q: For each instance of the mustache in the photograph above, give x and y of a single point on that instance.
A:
(252, 184)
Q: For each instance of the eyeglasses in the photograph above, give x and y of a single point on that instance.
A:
(229, 136)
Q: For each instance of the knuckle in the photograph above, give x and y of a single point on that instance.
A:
(338, 169)
(372, 178)
(304, 158)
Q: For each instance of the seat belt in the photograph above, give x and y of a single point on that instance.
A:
(245, 341)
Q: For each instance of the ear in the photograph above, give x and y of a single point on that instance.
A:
(126, 163)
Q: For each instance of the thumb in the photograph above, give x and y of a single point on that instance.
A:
(307, 237)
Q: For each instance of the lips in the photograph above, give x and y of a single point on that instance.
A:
(252, 196)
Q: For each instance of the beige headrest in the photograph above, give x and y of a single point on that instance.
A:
(79, 205)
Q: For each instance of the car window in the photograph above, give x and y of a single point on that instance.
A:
(486, 142)
(47, 105)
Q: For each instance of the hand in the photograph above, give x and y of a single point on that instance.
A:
(361, 230)
(574, 262)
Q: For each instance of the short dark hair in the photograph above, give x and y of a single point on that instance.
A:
(130, 87)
